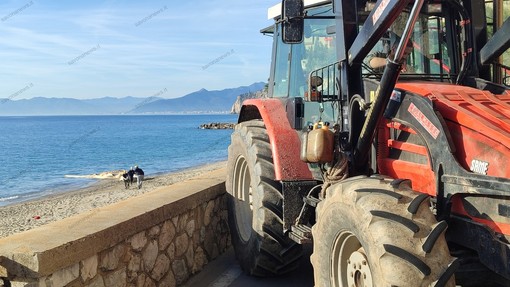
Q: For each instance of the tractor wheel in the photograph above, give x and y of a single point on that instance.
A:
(256, 205)
(378, 232)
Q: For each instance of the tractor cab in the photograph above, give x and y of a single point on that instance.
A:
(315, 55)
(359, 50)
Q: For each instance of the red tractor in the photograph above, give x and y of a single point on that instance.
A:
(395, 172)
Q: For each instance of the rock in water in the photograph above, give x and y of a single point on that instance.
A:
(217, 126)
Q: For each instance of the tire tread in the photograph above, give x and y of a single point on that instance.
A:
(416, 203)
(409, 257)
(436, 232)
(408, 223)
(380, 191)
(275, 253)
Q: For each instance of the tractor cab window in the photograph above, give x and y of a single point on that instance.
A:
(316, 51)
(429, 55)
(281, 66)
(294, 62)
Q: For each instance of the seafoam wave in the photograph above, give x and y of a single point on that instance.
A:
(8, 198)
(115, 174)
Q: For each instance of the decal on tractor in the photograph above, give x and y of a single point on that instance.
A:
(479, 166)
(378, 12)
(424, 121)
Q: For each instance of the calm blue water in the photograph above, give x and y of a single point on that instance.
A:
(38, 151)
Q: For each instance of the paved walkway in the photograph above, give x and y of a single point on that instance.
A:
(226, 272)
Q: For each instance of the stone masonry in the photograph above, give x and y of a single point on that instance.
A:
(163, 255)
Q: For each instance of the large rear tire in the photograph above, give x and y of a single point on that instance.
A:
(378, 232)
(256, 205)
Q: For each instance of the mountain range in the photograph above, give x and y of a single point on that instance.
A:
(202, 101)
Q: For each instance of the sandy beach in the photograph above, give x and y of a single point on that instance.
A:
(27, 215)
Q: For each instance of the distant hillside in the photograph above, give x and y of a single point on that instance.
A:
(202, 101)
(68, 106)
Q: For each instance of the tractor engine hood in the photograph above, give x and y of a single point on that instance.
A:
(478, 121)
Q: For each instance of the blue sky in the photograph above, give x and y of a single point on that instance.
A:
(92, 49)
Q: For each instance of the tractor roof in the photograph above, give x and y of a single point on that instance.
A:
(276, 10)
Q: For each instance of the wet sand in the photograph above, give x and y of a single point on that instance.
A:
(27, 215)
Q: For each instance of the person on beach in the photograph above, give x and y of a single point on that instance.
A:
(139, 176)
(131, 174)
(125, 178)
(128, 176)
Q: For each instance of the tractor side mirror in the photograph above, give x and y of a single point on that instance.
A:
(292, 21)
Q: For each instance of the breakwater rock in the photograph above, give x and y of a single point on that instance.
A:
(236, 107)
(217, 126)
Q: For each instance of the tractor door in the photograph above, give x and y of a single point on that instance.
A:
(293, 63)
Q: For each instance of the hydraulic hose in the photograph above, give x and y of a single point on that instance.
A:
(383, 93)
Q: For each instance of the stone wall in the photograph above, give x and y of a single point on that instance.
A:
(165, 253)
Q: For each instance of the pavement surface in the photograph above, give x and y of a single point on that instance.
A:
(226, 272)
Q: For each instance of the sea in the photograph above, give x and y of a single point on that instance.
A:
(38, 152)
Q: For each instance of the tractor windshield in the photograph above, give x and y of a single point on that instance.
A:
(293, 63)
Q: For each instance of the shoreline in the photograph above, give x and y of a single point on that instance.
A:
(26, 215)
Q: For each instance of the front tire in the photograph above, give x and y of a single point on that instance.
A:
(256, 205)
(378, 232)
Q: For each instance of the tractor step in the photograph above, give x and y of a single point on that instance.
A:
(301, 234)
(312, 201)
